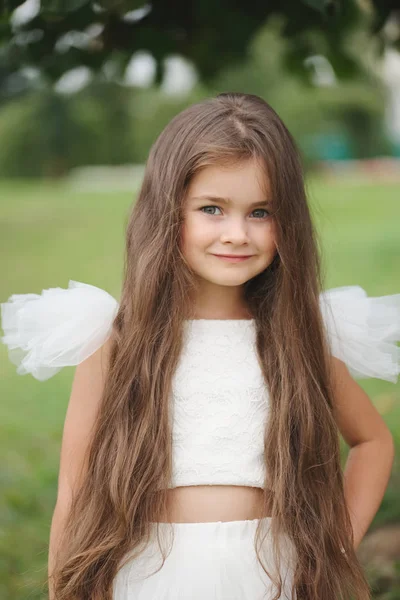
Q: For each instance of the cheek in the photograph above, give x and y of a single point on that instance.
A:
(195, 234)
(272, 240)
(274, 237)
(189, 236)
(266, 239)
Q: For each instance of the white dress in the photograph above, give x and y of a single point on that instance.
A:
(219, 411)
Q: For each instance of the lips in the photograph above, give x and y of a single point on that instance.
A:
(234, 255)
(232, 259)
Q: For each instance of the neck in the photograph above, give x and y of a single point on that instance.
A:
(219, 302)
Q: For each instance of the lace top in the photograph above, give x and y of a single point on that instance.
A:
(219, 399)
(220, 404)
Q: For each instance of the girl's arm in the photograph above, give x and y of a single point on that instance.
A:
(87, 388)
(57, 527)
(371, 454)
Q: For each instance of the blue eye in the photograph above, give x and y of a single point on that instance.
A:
(255, 210)
(203, 207)
(263, 210)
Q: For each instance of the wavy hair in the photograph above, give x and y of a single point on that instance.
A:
(129, 455)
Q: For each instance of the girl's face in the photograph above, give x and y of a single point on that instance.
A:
(226, 211)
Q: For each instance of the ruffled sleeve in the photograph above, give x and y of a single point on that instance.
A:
(58, 328)
(363, 331)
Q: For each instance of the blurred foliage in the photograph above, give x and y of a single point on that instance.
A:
(64, 35)
(47, 132)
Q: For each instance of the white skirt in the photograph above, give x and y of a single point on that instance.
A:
(208, 561)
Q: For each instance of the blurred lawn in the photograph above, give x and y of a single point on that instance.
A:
(50, 234)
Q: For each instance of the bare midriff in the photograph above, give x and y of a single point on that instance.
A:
(206, 503)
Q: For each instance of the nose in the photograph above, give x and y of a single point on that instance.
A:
(235, 231)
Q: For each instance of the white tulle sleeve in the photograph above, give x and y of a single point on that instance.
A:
(363, 331)
(58, 328)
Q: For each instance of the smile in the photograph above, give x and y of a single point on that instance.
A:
(232, 258)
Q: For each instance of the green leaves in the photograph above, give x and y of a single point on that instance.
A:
(212, 35)
(62, 6)
(328, 7)
(120, 7)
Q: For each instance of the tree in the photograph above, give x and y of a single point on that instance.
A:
(65, 34)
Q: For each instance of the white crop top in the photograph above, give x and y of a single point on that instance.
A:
(219, 399)
(220, 405)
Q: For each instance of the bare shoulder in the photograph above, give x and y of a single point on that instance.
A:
(356, 416)
(83, 405)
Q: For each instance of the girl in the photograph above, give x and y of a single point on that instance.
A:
(200, 454)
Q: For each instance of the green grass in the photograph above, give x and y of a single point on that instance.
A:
(50, 234)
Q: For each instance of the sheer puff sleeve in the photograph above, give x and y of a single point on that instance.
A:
(58, 328)
(363, 331)
(62, 327)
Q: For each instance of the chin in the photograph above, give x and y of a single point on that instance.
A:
(229, 280)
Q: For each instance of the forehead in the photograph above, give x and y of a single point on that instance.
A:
(242, 179)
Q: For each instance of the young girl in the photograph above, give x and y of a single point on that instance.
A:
(200, 455)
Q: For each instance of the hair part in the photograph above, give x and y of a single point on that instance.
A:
(129, 458)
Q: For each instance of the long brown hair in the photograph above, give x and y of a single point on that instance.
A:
(129, 457)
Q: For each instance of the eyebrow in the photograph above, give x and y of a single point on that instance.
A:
(226, 201)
